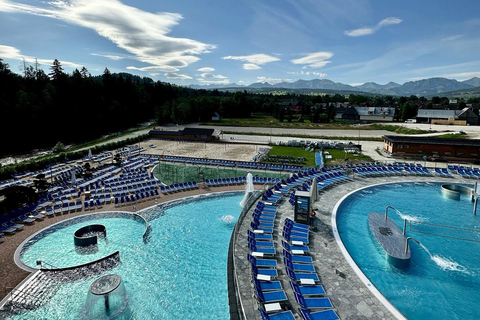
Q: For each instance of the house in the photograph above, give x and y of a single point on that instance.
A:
(385, 114)
(450, 117)
(442, 149)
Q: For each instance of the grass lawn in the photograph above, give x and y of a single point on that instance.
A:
(339, 156)
(295, 152)
(453, 136)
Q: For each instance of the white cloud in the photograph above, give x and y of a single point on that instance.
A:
(142, 34)
(251, 66)
(364, 31)
(272, 81)
(208, 75)
(254, 61)
(174, 75)
(154, 69)
(108, 56)
(310, 73)
(206, 69)
(452, 38)
(315, 59)
(8, 52)
(206, 81)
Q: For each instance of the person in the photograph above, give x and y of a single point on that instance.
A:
(313, 213)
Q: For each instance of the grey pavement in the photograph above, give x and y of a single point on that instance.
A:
(349, 295)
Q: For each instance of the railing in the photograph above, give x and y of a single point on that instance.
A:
(233, 240)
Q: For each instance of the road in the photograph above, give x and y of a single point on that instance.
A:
(285, 134)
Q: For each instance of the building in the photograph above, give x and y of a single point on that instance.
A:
(376, 113)
(186, 134)
(435, 149)
(450, 117)
(370, 114)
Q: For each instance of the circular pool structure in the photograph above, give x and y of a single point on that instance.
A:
(88, 235)
(179, 273)
(442, 280)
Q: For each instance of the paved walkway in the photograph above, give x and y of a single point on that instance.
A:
(349, 295)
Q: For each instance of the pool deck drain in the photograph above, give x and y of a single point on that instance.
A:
(349, 295)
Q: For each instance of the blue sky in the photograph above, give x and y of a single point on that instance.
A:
(247, 41)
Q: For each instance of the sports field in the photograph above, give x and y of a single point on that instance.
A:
(169, 173)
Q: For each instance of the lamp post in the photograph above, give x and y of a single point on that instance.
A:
(271, 122)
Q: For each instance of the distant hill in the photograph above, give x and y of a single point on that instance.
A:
(475, 81)
(425, 87)
(430, 86)
(315, 84)
(464, 93)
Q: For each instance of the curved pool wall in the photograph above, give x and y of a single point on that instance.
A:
(65, 223)
(395, 312)
(144, 215)
(441, 282)
(453, 191)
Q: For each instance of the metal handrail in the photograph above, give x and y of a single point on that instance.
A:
(248, 204)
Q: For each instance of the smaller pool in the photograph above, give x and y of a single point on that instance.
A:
(181, 273)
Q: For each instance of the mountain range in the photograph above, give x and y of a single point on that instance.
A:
(425, 87)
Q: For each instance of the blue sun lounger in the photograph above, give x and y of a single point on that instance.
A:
(267, 263)
(266, 285)
(262, 250)
(313, 290)
(313, 303)
(297, 258)
(298, 267)
(284, 315)
(270, 296)
(318, 315)
(260, 236)
(302, 277)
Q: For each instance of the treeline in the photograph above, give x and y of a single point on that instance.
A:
(37, 110)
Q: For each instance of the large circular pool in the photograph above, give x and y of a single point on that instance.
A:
(442, 281)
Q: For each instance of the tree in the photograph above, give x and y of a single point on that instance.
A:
(59, 147)
(408, 111)
(40, 183)
(84, 72)
(57, 70)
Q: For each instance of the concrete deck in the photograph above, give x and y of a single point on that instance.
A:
(349, 295)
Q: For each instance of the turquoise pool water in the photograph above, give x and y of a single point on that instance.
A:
(442, 281)
(181, 273)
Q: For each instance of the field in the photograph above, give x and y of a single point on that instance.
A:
(169, 173)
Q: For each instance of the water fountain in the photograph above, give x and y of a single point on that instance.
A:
(107, 298)
(248, 189)
(228, 218)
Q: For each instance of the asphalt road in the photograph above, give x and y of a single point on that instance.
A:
(285, 134)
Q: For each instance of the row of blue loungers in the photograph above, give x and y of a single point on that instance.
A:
(465, 172)
(298, 266)
(176, 187)
(239, 180)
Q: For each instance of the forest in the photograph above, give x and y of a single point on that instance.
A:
(39, 109)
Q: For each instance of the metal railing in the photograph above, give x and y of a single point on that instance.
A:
(248, 204)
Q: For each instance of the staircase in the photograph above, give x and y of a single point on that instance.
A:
(33, 293)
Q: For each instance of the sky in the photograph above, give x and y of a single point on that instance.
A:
(247, 41)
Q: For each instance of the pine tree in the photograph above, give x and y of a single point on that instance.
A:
(57, 70)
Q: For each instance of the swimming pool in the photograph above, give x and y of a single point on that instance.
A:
(442, 280)
(180, 273)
